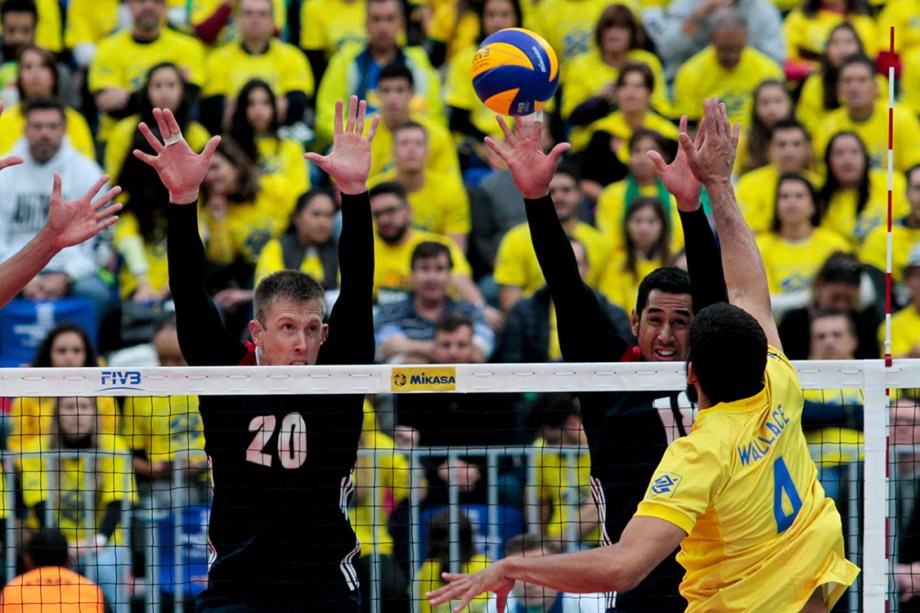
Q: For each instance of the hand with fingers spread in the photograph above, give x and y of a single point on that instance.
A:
(349, 163)
(677, 177)
(72, 222)
(530, 167)
(467, 587)
(711, 156)
(180, 169)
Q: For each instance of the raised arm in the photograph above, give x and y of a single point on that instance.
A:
(351, 323)
(704, 261)
(585, 333)
(202, 337)
(711, 159)
(69, 223)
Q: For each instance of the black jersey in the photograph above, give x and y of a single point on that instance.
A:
(627, 432)
(281, 465)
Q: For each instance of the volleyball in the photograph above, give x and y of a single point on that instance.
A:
(515, 72)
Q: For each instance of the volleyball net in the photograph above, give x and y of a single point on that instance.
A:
(457, 466)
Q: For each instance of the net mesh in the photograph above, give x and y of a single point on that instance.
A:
(456, 467)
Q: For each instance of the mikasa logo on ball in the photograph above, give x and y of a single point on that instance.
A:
(539, 58)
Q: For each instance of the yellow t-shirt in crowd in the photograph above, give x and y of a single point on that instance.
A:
(564, 482)
(200, 10)
(440, 206)
(284, 157)
(128, 236)
(791, 265)
(283, 66)
(810, 107)
(806, 36)
(49, 29)
(459, 92)
(387, 471)
(70, 486)
(271, 259)
(248, 226)
(516, 262)
(327, 25)
(31, 419)
(874, 248)
(841, 217)
(702, 76)
(761, 535)
(620, 286)
(904, 16)
(457, 32)
(832, 446)
(616, 125)
(122, 62)
(13, 126)
(756, 193)
(610, 214)
(89, 21)
(165, 428)
(874, 133)
(342, 79)
(442, 153)
(910, 80)
(428, 578)
(905, 332)
(392, 263)
(588, 74)
(568, 25)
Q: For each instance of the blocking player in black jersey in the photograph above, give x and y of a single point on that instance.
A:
(279, 533)
(628, 432)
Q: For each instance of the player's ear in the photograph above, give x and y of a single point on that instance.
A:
(634, 324)
(325, 332)
(255, 331)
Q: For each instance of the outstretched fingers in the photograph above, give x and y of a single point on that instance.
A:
(558, 150)
(372, 131)
(352, 113)
(497, 148)
(106, 198)
(152, 140)
(162, 124)
(94, 189)
(510, 137)
(338, 123)
(56, 187)
(210, 147)
(12, 160)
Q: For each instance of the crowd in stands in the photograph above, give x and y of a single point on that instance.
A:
(456, 278)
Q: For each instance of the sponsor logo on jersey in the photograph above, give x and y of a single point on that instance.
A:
(120, 380)
(666, 484)
(442, 379)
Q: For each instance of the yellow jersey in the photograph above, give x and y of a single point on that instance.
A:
(248, 226)
(874, 133)
(165, 427)
(200, 10)
(874, 248)
(283, 66)
(568, 26)
(455, 31)
(910, 80)
(392, 263)
(620, 286)
(807, 35)
(810, 107)
(702, 76)
(905, 332)
(516, 261)
(756, 192)
(89, 21)
(442, 153)
(31, 419)
(610, 213)
(761, 535)
(13, 127)
(284, 157)
(122, 62)
(904, 16)
(428, 578)
(563, 480)
(65, 484)
(328, 25)
(128, 237)
(841, 217)
(791, 265)
(271, 259)
(834, 445)
(440, 206)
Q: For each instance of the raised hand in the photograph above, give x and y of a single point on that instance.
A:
(349, 163)
(531, 169)
(711, 156)
(180, 169)
(71, 222)
(467, 587)
(677, 177)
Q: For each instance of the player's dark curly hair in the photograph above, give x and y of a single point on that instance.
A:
(670, 280)
(728, 349)
(292, 285)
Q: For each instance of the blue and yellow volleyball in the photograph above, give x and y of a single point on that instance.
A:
(515, 72)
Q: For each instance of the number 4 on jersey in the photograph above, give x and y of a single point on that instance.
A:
(785, 496)
(292, 440)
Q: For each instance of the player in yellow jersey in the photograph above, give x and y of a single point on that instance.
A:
(738, 494)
